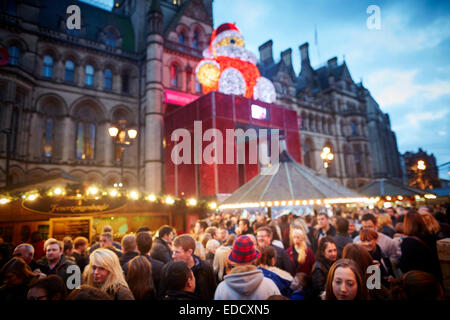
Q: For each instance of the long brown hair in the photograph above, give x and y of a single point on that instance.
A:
(413, 225)
(416, 285)
(140, 279)
(359, 255)
(346, 263)
(19, 267)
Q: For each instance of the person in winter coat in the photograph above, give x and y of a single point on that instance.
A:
(266, 263)
(325, 256)
(161, 246)
(180, 282)
(104, 272)
(419, 250)
(205, 280)
(300, 253)
(245, 281)
(16, 277)
(342, 237)
(325, 229)
(264, 236)
(54, 261)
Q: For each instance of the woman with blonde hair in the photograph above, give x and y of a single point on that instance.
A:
(105, 273)
(300, 253)
(384, 223)
(221, 264)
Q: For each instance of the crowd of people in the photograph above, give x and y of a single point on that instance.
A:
(371, 254)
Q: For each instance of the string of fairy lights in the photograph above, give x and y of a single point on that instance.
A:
(95, 192)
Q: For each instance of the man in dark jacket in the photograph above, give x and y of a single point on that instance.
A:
(180, 282)
(244, 226)
(325, 229)
(341, 238)
(264, 238)
(129, 248)
(205, 280)
(161, 247)
(144, 243)
(54, 261)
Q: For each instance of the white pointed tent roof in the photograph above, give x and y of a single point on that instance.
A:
(292, 181)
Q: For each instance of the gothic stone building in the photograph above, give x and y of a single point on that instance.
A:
(335, 112)
(63, 89)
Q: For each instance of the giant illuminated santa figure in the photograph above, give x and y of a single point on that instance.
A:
(229, 68)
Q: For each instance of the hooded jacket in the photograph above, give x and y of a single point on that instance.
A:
(245, 283)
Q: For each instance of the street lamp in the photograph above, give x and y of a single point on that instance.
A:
(327, 156)
(123, 137)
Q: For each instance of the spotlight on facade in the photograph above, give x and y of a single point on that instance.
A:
(192, 202)
(151, 197)
(32, 197)
(4, 201)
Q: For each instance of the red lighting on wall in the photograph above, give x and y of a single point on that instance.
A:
(178, 98)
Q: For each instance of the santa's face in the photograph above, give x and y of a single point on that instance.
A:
(233, 47)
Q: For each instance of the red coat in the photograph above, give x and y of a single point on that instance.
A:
(307, 266)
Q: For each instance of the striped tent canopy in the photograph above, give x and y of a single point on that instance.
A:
(292, 181)
(386, 187)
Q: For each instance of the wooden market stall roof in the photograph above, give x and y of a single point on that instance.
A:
(387, 187)
(292, 181)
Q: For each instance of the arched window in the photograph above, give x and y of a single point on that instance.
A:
(70, 67)
(48, 66)
(181, 38)
(48, 137)
(85, 143)
(111, 38)
(89, 75)
(174, 76)
(195, 40)
(108, 79)
(14, 54)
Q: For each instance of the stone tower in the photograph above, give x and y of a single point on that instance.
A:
(154, 122)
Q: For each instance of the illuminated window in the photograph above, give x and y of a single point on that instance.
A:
(47, 140)
(176, 2)
(89, 79)
(70, 67)
(48, 66)
(174, 76)
(108, 79)
(85, 142)
(14, 53)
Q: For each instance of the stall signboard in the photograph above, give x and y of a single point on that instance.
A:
(73, 205)
(71, 227)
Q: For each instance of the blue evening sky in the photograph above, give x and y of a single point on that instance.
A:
(405, 64)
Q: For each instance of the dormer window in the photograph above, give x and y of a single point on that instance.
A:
(181, 38)
(111, 38)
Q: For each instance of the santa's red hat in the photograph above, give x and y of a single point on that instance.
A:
(224, 31)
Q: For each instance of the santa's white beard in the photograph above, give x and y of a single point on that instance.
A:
(236, 52)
